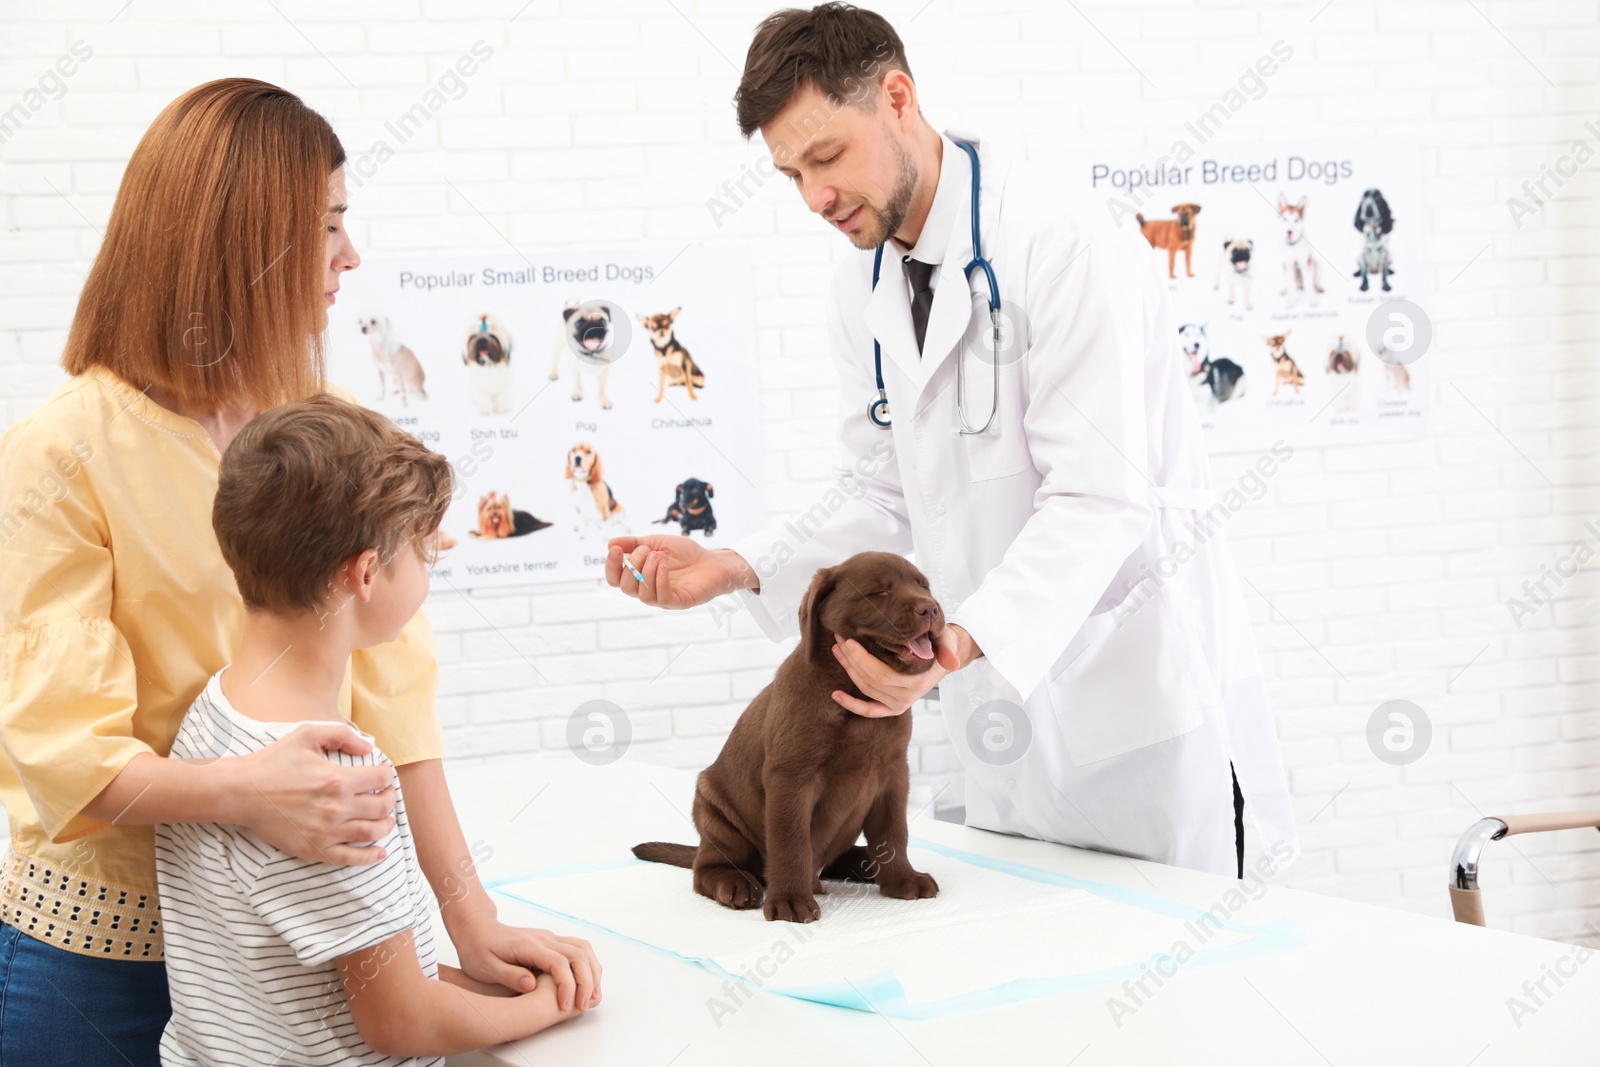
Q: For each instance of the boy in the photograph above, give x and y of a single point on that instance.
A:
(270, 958)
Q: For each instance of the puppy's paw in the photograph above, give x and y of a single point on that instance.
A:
(791, 908)
(730, 888)
(914, 886)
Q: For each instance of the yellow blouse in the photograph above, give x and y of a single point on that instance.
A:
(117, 608)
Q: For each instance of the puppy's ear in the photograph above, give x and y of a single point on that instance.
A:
(672, 316)
(813, 636)
(709, 490)
(569, 465)
(597, 473)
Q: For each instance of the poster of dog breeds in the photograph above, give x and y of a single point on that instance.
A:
(1325, 227)
(642, 417)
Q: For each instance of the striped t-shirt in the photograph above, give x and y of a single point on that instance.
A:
(253, 932)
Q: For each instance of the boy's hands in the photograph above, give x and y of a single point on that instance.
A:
(547, 996)
(400, 1012)
(543, 995)
(490, 951)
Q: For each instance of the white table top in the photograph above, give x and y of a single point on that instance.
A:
(1368, 986)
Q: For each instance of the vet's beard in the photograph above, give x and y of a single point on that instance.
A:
(905, 187)
(893, 214)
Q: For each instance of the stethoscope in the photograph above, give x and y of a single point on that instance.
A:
(878, 410)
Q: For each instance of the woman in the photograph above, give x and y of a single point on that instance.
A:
(205, 305)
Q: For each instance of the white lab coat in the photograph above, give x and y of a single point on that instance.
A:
(1033, 534)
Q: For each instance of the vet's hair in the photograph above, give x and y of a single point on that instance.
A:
(216, 244)
(309, 484)
(840, 50)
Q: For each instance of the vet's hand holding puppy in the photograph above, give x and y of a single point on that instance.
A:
(681, 573)
(1095, 625)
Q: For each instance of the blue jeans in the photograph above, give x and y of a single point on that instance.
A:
(60, 1007)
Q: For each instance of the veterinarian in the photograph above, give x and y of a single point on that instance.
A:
(1096, 627)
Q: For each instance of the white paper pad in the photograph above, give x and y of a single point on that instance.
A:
(997, 932)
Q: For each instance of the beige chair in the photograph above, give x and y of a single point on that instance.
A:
(1464, 898)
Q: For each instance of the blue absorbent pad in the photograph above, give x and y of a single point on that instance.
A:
(998, 932)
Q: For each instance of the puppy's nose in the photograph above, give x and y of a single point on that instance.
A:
(928, 610)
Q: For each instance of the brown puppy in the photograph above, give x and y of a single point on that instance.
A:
(1173, 235)
(800, 778)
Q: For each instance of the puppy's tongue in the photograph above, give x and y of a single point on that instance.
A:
(922, 647)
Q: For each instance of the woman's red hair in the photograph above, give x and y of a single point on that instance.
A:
(209, 282)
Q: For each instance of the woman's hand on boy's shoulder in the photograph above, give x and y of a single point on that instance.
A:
(298, 800)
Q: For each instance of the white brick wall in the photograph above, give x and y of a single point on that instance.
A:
(609, 121)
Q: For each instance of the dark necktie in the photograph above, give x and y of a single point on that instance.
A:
(920, 274)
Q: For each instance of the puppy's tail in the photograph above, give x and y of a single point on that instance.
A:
(662, 852)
